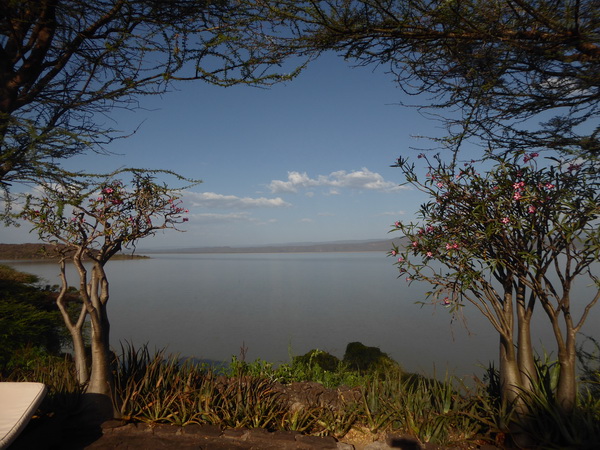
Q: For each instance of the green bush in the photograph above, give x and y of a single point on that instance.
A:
(29, 318)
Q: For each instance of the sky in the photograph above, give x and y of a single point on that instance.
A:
(304, 161)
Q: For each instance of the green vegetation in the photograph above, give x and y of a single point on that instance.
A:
(29, 319)
(160, 388)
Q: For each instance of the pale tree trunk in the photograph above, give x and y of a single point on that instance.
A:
(566, 392)
(75, 329)
(511, 372)
(101, 385)
(525, 355)
(79, 355)
(98, 396)
(510, 375)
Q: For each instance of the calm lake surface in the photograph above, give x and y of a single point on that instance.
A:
(210, 305)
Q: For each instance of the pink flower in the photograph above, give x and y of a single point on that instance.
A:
(429, 254)
(549, 186)
(440, 184)
(393, 252)
(448, 246)
(531, 209)
(108, 191)
(415, 244)
(401, 259)
(397, 224)
(529, 157)
(505, 220)
(517, 196)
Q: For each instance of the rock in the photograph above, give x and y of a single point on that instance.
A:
(310, 394)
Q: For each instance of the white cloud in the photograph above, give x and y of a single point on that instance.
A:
(394, 213)
(565, 86)
(357, 179)
(219, 201)
(222, 218)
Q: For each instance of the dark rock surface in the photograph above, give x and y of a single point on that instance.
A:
(60, 434)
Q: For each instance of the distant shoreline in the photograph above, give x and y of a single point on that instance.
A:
(325, 247)
(35, 252)
(20, 252)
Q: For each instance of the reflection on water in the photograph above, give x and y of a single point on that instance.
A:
(209, 306)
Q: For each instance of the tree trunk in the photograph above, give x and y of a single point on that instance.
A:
(100, 391)
(80, 357)
(75, 329)
(525, 356)
(566, 392)
(510, 375)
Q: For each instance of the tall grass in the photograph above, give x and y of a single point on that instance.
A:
(160, 388)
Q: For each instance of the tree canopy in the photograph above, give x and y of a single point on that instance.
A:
(65, 64)
(506, 241)
(510, 74)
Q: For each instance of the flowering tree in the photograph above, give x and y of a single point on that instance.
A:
(505, 241)
(94, 225)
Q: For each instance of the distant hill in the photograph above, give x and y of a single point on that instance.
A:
(323, 247)
(36, 251)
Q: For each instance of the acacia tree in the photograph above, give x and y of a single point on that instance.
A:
(66, 64)
(94, 225)
(515, 237)
(490, 70)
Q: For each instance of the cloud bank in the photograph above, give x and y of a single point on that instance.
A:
(362, 179)
(211, 200)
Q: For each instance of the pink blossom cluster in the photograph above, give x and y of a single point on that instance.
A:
(177, 209)
(530, 156)
(110, 194)
(519, 187)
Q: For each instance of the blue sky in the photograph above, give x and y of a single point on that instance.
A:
(305, 161)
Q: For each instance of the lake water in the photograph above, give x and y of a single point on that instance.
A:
(277, 305)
